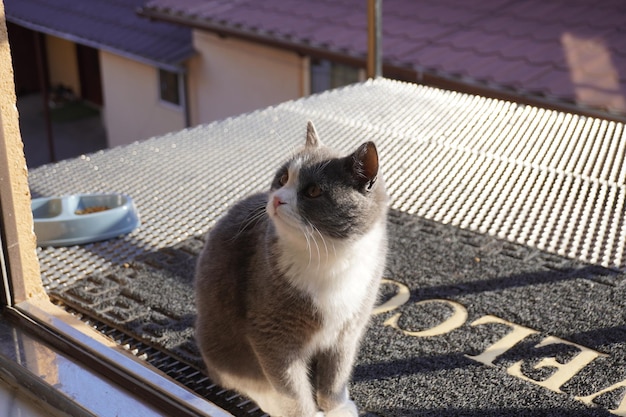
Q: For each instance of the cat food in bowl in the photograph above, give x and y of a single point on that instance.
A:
(82, 218)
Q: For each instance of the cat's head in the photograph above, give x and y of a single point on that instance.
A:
(320, 193)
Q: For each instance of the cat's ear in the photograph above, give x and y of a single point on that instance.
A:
(364, 164)
(312, 139)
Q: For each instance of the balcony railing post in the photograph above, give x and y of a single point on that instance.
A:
(374, 37)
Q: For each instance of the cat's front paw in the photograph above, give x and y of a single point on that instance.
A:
(347, 409)
(319, 414)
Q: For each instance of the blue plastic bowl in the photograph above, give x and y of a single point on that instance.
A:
(82, 218)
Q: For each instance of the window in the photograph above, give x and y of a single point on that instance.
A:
(169, 86)
(326, 75)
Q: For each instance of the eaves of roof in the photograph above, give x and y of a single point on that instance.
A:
(270, 38)
(111, 27)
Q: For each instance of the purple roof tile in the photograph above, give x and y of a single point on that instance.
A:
(349, 39)
(397, 48)
(414, 29)
(105, 24)
(422, 55)
(520, 75)
(534, 9)
(512, 45)
(554, 83)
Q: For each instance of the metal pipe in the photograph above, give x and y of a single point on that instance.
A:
(42, 69)
(374, 37)
(184, 100)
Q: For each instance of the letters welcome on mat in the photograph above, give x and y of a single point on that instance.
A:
(562, 373)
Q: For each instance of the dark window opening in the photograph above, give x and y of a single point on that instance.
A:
(326, 75)
(169, 86)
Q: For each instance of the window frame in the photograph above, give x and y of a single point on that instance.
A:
(180, 87)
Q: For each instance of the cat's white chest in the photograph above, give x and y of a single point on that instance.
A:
(340, 304)
(339, 281)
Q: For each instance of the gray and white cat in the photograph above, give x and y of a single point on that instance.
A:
(287, 280)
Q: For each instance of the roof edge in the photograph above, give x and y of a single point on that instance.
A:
(265, 38)
(174, 67)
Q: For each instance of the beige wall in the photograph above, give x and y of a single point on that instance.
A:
(62, 63)
(132, 108)
(229, 77)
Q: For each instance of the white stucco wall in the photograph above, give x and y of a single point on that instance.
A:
(132, 108)
(229, 77)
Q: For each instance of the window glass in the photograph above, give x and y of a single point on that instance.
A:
(326, 75)
(169, 86)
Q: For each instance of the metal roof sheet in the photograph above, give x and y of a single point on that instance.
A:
(112, 25)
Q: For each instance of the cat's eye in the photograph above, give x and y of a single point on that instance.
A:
(283, 178)
(313, 191)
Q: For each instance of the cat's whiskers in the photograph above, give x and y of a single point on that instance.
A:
(308, 244)
(253, 218)
(315, 230)
(286, 141)
(317, 247)
(321, 167)
(322, 237)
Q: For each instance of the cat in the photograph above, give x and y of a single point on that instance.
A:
(287, 279)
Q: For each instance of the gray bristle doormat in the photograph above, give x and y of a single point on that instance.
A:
(487, 328)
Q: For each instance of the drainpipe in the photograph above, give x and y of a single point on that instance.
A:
(374, 37)
(42, 69)
(185, 98)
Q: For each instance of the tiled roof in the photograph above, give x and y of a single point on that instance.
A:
(112, 25)
(570, 51)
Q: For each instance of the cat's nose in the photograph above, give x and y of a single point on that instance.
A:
(277, 201)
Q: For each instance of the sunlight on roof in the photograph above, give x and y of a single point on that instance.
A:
(592, 72)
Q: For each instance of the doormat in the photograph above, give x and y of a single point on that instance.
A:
(467, 325)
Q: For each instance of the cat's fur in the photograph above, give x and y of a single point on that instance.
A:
(287, 280)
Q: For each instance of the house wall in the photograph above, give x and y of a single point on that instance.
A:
(62, 63)
(132, 108)
(229, 77)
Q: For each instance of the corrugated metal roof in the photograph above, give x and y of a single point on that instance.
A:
(567, 51)
(112, 25)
